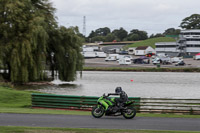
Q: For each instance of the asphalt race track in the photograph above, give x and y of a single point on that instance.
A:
(75, 121)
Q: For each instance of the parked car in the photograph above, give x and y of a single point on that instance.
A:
(161, 60)
(111, 58)
(123, 52)
(180, 63)
(156, 60)
(176, 59)
(150, 54)
(162, 55)
(141, 60)
(125, 61)
(197, 56)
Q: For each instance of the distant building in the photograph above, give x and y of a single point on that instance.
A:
(170, 48)
(131, 50)
(189, 41)
(143, 50)
(92, 51)
(91, 47)
(188, 44)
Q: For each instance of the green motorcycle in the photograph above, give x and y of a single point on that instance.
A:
(105, 102)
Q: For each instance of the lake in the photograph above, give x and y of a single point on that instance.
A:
(135, 84)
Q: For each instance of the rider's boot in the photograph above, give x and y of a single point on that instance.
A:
(108, 111)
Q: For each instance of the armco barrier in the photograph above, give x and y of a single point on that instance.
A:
(169, 105)
(144, 105)
(68, 102)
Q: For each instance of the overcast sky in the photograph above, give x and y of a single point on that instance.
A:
(153, 16)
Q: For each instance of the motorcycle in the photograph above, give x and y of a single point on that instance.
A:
(126, 110)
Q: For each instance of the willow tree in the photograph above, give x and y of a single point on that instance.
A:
(29, 34)
(66, 46)
(23, 39)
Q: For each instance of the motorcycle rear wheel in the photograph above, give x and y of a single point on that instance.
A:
(129, 113)
(97, 112)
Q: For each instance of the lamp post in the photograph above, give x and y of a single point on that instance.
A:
(52, 64)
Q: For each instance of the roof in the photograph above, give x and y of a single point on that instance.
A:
(118, 43)
(190, 30)
(142, 48)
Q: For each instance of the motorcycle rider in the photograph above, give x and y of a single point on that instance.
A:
(121, 100)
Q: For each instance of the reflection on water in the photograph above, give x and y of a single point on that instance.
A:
(30, 87)
(136, 84)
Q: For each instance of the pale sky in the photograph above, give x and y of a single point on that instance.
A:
(153, 16)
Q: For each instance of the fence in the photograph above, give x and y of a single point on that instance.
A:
(167, 105)
(68, 102)
(145, 105)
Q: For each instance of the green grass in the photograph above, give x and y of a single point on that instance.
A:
(12, 129)
(151, 42)
(14, 98)
(18, 101)
(74, 112)
(42, 111)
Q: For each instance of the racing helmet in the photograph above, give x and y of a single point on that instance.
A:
(118, 90)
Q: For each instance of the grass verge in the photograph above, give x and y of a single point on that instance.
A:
(133, 69)
(14, 98)
(73, 112)
(42, 111)
(79, 130)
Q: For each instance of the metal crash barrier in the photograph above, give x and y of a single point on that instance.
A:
(144, 105)
(170, 105)
(69, 102)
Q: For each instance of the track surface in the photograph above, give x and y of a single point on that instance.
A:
(74, 121)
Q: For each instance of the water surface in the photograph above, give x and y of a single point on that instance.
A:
(136, 84)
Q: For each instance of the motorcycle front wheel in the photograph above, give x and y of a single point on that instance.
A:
(98, 112)
(129, 113)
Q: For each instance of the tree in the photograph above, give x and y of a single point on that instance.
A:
(191, 22)
(24, 39)
(98, 38)
(92, 34)
(133, 37)
(29, 34)
(136, 34)
(102, 31)
(98, 34)
(110, 37)
(121, 33)
(172, 31)
(66, 47)
(156, 35)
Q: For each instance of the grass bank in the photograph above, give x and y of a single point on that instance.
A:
(13, 98)
(133, 69)
(18, 101)
(79, 130)
(151, 42)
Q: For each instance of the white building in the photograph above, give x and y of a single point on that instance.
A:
(90, 51)
(190, 41)
(188, 44)
(170, 48)
(143, 50)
